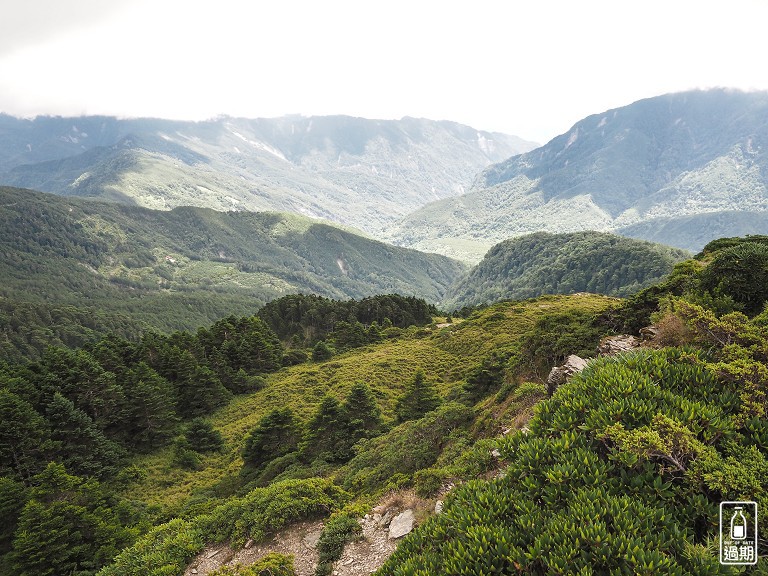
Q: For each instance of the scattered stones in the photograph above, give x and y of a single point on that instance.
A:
(559, 375)
(495, 453)
(439, 507)
(401, 524)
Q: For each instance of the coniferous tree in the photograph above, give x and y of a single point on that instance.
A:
(83, 448)
(321, 352)
(326, 432)
(276, 434)
(202, 437)
(199, 391)
(24, 437)
(420, 397)
(151, 408)
(66, 527)
(13, 496)
(363, 417)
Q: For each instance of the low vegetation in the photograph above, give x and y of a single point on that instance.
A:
(129, 457)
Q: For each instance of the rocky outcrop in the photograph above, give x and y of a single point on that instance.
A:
(559, 375)
(401, 524)
(649, 333)
(611, 345)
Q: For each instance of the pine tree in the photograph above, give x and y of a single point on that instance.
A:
(67, 527)
(420, 397)
(363, 417)
(321, 352)
(202, 437)
(201, 392)
(83, 448)
(13, 496)
(276, 434)
(326, 432)
(150, 405)
(24, 437)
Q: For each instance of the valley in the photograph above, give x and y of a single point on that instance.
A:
(308, 346)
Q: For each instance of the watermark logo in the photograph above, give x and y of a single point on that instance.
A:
(738, 533)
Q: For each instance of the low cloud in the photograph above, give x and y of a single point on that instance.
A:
(35, 21)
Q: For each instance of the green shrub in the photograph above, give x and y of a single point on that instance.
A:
(294, 357)
(409, 447)
(272, 564)
(337, 532)
(621, 472)
(427, 482)
(740, 272)
(163, 551)
(265, 510)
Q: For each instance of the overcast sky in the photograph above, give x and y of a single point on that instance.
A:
(531, 68)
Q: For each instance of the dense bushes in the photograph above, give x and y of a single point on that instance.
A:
(621, 471)
(409, 447)
(165, 550)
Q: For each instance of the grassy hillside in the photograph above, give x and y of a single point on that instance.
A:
(447, 356)
(353, 171)
(187, 267)
(544, 263)
(130, 458)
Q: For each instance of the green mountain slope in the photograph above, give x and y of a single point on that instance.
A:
(134, 458)
(364, 173)
(545, 263)
(671, 159)
(184, 268)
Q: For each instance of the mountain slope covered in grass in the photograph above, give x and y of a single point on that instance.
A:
(189, 266)
(364, 173)
(545, 263)
(680, 169)
(133, 458)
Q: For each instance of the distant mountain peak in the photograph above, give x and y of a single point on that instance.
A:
(365, 173)
(699, 156)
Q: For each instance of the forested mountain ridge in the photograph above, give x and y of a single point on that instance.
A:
(680, 169)
(354, 171)
(544, 263)
(180, 269)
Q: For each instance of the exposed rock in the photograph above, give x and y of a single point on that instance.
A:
(401, 524)
(311, 539)
(614, 344)
(439, 507)
(560, 374)
(386, 519)
(649, 333)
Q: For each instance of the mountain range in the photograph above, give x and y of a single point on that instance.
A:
(353, 171)
(124, 268)
(681, 169)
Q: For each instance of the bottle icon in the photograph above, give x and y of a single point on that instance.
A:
(738, 524)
